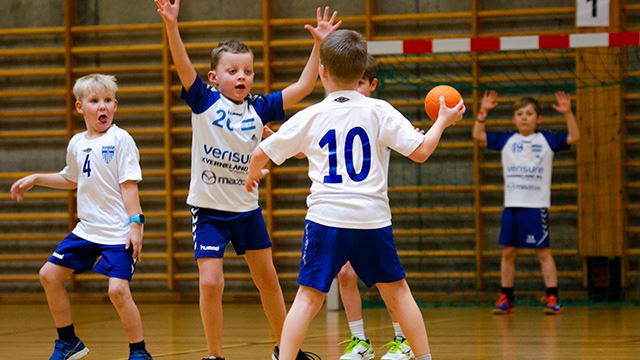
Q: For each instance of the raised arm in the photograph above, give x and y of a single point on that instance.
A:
(563, 106)
(488, 103)
(131, 198)
(52, 180)
(305, 84)
(169, 13)
(447, 117)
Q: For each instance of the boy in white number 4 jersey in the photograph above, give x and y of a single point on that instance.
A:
(345, 137)
(102, 164)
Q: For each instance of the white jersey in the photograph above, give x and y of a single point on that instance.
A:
(527, 163)
(99, 166)
(224, 135)
(346, 139)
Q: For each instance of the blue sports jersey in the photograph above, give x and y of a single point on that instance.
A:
(224, 135)
(527, 165)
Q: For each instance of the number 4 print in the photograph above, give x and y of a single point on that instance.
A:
(86, 168)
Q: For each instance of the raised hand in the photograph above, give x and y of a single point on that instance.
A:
(168, 11)
(325, 25)
(21, 186)
(253, 179)
(563, 102)
(488, 101)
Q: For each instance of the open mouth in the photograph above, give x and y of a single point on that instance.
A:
(240, 87)
(103, 118)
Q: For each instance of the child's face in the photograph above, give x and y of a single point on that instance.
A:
(233, 76)
(526, 120)
(365, 87)
(98, 108)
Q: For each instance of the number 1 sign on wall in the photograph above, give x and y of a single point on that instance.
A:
(592, 13)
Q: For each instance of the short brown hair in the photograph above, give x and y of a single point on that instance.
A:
(527, 100)
(344, 54)
(230, 46)
(370, 72)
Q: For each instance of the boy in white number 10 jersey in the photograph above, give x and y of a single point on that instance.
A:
(345, 137)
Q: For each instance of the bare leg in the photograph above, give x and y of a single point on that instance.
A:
(264, 276)
(348, 281)
(120, 296)
(548, 267)
(306, 305)
(52, 278)
(508, 266)
(397, 296)
(211, 289)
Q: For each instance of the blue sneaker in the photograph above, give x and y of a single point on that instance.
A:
(69, 351)
(139, 355)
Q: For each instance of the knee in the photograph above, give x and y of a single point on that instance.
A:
(212, 284)
(347, 277)
(119, 294)
(47, 278)
(509, 254)
(544, 256)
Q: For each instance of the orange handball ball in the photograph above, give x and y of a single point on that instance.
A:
(432, 100)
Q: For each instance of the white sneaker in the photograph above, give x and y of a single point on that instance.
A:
(399, 349)
(357, 349)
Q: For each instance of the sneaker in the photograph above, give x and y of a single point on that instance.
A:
(140, 355)
(399, 349)
(552, 305)
(302, 355)
(69, 351)
(357, 349)
(503, 306)
(212, 358)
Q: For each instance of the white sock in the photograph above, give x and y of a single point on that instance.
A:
(424, 357)
(397, 329)
(357, 329)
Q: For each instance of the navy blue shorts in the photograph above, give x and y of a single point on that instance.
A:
(80, 255)
(326, 249)
(525, 227)
(213, 230)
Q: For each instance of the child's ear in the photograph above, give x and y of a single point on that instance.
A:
(213, 77)
(78, 105)
(373, 85)
(322, 71)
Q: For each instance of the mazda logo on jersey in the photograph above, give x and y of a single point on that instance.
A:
(208, 177)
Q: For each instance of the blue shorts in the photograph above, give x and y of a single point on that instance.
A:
(213, 229)
(80, 255)
(525, 227)
(326, 249)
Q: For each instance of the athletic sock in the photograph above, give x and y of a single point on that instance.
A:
(67, 334)
(397, 329)
(137, 346)
(357, 329)
(508, 292)
(552, 291)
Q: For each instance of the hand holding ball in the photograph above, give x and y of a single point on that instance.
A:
(432, 100)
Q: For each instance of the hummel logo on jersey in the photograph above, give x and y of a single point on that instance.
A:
(210, 248)
(342, 99)
(530, 239)
(56, 255)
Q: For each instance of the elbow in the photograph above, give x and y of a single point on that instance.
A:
(573, 139)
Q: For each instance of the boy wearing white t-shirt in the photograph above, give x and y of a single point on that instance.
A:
(527, 157)
(102, 163)
(345, 138)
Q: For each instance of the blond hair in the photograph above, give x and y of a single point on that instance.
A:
(344, 54)
(230, 46)
(94, 82)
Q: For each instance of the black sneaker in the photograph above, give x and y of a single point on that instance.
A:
(302, 355)
(212, 358)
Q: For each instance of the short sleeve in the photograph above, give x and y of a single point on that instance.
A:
(497, 139)
(287, 141)
(200, 96)
(557, 140)
(70, 171)
(128, 160)
(269, 107)
(397, 132)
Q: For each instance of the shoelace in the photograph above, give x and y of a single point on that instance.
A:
(394, 346)
(353, 342)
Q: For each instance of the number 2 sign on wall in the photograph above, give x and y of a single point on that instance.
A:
(592, 13)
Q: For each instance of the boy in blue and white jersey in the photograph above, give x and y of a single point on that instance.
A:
(102, 163)
(527, 162)
(227, 125)
(346, 139)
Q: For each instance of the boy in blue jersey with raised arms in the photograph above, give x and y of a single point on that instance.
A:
(102, 163)
(527, 162)
(227, 124)
(346, 139)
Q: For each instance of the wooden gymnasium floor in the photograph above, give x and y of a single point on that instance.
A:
(173, 331)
